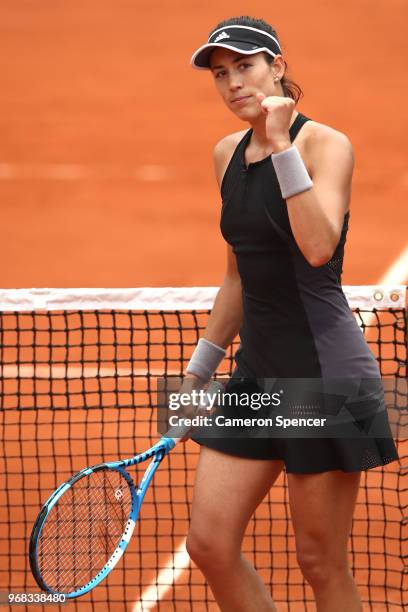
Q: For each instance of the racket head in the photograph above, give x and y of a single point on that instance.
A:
(83, 530)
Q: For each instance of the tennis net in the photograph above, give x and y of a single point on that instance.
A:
(78, 382)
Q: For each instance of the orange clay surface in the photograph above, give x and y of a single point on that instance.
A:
(106, 142)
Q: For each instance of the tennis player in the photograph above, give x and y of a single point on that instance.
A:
(285, 185)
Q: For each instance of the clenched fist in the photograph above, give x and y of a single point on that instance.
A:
(278, 111)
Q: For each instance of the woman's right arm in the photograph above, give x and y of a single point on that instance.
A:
(226, 315)
(225, 319)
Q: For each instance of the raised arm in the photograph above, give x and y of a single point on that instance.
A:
(316, 216)
(316, 213)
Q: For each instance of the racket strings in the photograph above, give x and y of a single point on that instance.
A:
(83, 530)
(80, 539)
(72, 554)
(83, 538)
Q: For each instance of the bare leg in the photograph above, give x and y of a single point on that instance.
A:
(322, 507)
(227, 491)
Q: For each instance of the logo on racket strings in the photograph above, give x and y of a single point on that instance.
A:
(119, 494)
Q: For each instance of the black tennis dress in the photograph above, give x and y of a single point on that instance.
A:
(296, 320)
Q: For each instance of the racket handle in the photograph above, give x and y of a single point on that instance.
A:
(178, 433)
(181, 432)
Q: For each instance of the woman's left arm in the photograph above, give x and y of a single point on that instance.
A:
(316, 216)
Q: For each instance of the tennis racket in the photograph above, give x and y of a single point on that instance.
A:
(85, 526)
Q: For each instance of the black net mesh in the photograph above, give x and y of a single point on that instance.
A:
(77, 388)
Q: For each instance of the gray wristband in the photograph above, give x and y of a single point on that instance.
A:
(205, 359)
(291, 172)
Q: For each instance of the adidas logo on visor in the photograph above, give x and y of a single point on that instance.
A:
(221, 36)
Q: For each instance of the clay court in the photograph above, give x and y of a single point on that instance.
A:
(106, 180)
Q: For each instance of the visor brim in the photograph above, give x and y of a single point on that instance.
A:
(201, 58)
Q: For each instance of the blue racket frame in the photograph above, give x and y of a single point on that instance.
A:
(157, 454)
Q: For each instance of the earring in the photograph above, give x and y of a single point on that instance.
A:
(276, 79)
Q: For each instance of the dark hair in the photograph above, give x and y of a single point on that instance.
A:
(290, 88)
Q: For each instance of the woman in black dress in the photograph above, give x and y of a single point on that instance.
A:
(285, 186)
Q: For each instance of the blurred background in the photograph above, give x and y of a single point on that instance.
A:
(106, 174)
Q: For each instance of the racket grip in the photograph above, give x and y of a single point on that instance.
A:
(181, 432)
(178, 433)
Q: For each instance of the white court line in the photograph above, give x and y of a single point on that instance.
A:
(74, 372)
(56, 172)
(158, 588)
(79, 172)
(398, 272)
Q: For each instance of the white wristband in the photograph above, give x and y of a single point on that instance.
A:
(291, 172)
(205, 359)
